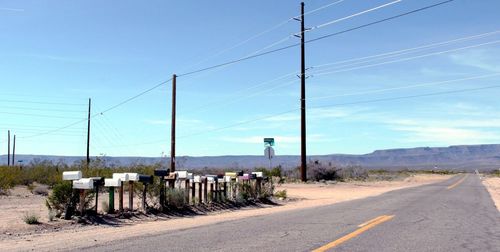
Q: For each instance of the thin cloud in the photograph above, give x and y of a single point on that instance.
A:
(11, 9)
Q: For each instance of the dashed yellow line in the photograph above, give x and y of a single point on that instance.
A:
(457, 183)
(363, 228)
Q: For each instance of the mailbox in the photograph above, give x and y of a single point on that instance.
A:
(162, 173)
(197, 179)
(133, 176)
(112, 182)
(122, 176)
(72, 175)
(189, 176)
(227, 178)
(252, 176)
(240, 173)
(98, 181)
(220, 176)
(145, 179)
(182, 174)
(258, 174)
(211, 179)
(231, 174)
(84, 183)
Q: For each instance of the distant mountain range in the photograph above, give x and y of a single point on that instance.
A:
(462, 157)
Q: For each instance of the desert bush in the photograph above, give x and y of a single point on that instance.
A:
(31, 218)
(60, 197)
(353, 173)
(280, 194)
(318, 171)
(176, 198)
(51, 215)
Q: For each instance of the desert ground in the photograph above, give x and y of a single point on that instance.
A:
(493, 186)
(16, 235)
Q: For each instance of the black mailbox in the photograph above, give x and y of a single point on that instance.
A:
(162, 173)
(220, 176)
(98, 181)
(253, 176)
(240, 173)
(145, 179)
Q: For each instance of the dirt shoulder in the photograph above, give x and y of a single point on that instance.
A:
(304, 195)
(492, 184)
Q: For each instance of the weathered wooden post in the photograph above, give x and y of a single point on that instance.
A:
(205, 189)
(162, 174)
(123, 178)
(82, 185)
(132, 177)
(145, 180)
(98, 182)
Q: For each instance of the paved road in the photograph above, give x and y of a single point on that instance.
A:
(454, 215)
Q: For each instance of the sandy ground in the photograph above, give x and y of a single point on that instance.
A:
(306, 195)
(493, 186)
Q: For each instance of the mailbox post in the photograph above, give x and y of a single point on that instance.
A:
(123, 178)
(112, 183)
(82, 185)
(70, 176)
(98, 182)
(145, 180)
(162, 174)
(132, 177)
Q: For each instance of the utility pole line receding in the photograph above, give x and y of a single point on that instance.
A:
(14, 152)
(172, 139)
(303, 164)
(88, 136)
(8, 148)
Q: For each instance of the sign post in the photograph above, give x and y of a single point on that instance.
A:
(269, 151)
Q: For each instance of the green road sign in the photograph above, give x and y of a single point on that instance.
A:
(268, 141)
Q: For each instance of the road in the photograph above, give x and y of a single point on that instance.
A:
(454, 215)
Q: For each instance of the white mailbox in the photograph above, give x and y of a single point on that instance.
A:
(122, 176)
(84, 183)
(182, 174)
(190, 175)
(112, 182)
(258, 174)
(133, 176)
(72, 175)
(227, 178)
(197, 179)
(210, 179)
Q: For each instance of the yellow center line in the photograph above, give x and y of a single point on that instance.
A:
(372, 220)
(457, 183)
(368, 225)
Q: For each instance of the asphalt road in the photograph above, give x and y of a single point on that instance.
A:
(454, 215)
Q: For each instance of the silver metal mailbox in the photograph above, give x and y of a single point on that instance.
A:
(182, 174)
(189, 175)
(197, 179)
(112, 182)
(72, 175)
(227, 178)
(122, 176)
(84, 183)
(211, 179)
(258, 174)
(133, 176)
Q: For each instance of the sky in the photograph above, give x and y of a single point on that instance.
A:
(425, 79)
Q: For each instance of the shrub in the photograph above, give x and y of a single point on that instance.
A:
(60, 197)
(41, 190)
(280, 194)
(31, 218)
(52, 215)
(176, 198)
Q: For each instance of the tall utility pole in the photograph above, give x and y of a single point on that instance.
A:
(172, 138)
(303, 161)
(14, 152)
(8, 148)
(88, 136)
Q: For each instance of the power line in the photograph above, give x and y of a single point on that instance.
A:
(38, 115)
(406, 87)
(313, 40)
(49, 103)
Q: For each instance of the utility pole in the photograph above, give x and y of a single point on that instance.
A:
(172, 138)
(303, 161)
(88, 136)
(8, 148)
(14, 152)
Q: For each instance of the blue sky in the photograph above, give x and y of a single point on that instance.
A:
(54, 55)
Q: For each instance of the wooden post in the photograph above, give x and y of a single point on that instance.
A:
(225, 190)
(193, 192)
(186, 190)
(131, 195)
(82, 201)
(200, 196)
(212, 196)
(205, 190)
(162, 193)
(144, 197)
(120, 198)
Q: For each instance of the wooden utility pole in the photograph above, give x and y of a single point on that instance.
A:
(88, 136)
(303, 159)
(8, 148)
(14, 152)
(172, 138)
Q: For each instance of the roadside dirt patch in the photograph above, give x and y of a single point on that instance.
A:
(492, 184)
